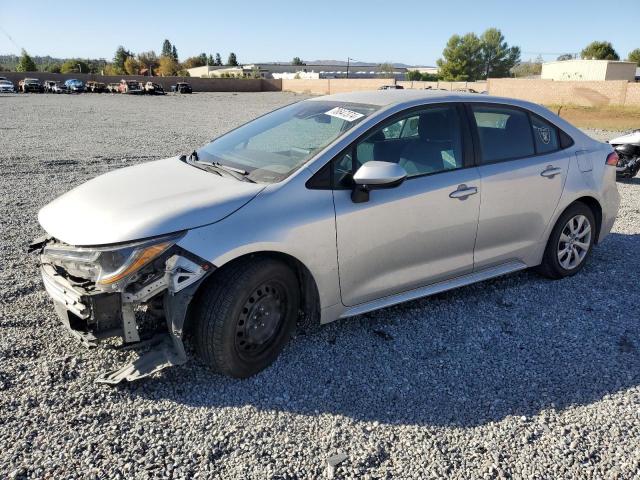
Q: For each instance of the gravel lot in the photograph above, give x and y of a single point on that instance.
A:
(519, 377)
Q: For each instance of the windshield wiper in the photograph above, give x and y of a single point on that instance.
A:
(236, 173)
(192, 159)
(231, 169)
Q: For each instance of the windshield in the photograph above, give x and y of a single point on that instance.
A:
(275, 145)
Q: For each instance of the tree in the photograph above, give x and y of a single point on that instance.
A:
(26, 63)
(218, 60)
(462, 58)
(53, 68)
(232, 60)
(564, 57)
(74, 65)
(297, 61)
(599, 51)
(166, 49)
(148, 60)
(111, 69)
(387, 69)
(193, 62)
(528, 69)
(118, 59)
(497, 57)
(174, 53)
(414, 75)
(131, 66)
(167, 67)
(634, 56)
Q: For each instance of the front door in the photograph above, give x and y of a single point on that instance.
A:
(417, 233)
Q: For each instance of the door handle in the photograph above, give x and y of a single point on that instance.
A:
(551, 171)
(463, 192)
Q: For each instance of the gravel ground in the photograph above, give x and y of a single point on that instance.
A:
(518, 377)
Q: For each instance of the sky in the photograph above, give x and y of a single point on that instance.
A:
(409, 31)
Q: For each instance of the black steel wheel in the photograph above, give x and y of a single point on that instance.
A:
(261, 318)
(245, 315)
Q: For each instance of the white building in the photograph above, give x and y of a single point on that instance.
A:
(589, 70)
(301, 75)
(428, 70)
(209, 71)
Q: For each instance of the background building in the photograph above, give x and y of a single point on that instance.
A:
(427, 70)
(309, 71)
(589, 70)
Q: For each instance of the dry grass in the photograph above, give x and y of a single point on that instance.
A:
(605, 117)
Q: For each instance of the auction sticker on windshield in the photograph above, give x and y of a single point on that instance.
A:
(344, 114)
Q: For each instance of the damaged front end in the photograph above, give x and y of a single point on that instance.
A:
(102, 292)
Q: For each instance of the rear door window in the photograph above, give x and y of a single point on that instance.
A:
(504, 133)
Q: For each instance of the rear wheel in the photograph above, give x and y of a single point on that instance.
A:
(245, 316)
(570, 243)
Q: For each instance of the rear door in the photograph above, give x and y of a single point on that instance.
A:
(522, 173)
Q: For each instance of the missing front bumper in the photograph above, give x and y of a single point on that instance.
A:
(92, 316)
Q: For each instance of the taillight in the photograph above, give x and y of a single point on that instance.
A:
(612, 159)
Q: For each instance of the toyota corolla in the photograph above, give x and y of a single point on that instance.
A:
(324, 209)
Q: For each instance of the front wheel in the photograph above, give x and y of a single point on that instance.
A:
(245, 315)
(570, 242)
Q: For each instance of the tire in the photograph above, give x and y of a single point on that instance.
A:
(245, 315)
(575, 240)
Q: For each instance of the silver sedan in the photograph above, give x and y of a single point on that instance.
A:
(324, 209)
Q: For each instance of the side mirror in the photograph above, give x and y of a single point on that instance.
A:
(376, 175)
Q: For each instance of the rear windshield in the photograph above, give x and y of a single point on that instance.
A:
(275, 145)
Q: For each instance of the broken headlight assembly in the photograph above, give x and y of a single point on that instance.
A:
(109, 266)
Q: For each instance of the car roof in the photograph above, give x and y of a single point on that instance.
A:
(400, 96)
(396, 100)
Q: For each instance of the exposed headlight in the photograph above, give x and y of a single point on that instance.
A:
(106, 266)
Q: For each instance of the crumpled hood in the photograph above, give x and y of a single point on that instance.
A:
(143, 201)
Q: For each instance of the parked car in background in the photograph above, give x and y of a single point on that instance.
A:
(73, 85)
(132, 87)
(113, 88)
(6, 86)
(49, 85)
(324, 209)
(181, 87)
(95, 87)
(151, 88)
(391, 87)
(30, 85)
(59, 88)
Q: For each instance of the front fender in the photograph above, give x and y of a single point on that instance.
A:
(288, 219)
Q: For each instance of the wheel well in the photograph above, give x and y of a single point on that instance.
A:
(596, 209)
(310, 305)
